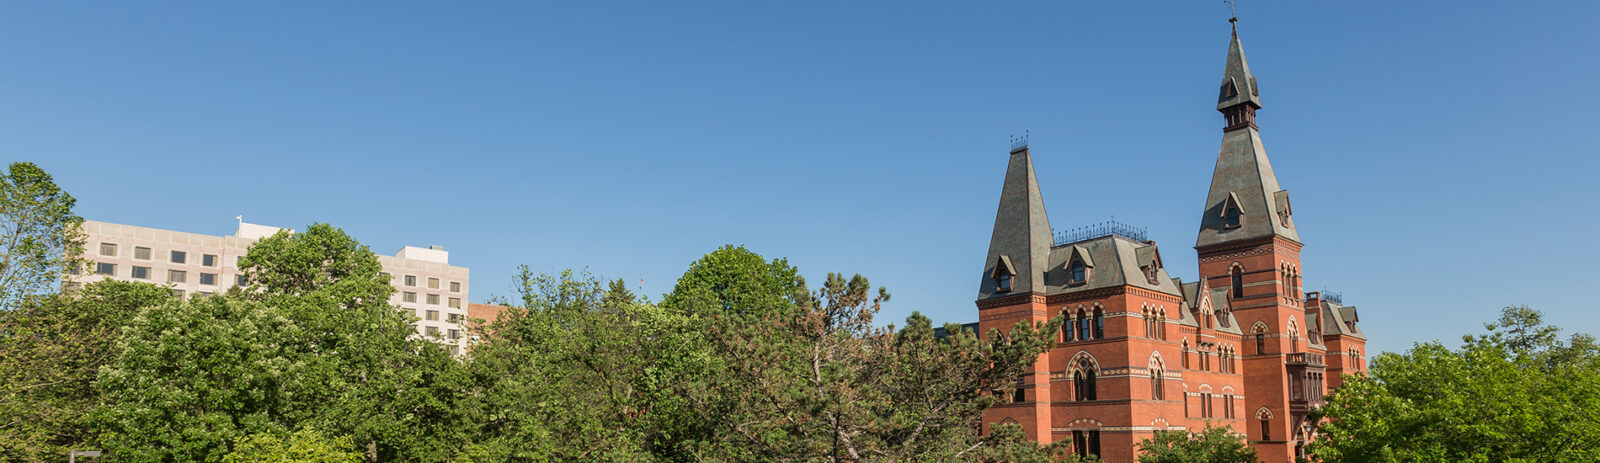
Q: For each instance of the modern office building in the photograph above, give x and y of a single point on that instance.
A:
(1244, 347)
(426, 285)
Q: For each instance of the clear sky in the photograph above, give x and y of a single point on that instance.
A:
(1442, 155)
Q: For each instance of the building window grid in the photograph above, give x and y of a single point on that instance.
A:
(141, 253)
(208, 260)
(141, 273)
(455, 286)
(177, 276)
(108, 249)
(179, 257)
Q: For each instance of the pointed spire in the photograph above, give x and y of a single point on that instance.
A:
(1020, 244)
(1238, 84)
(1245, 201)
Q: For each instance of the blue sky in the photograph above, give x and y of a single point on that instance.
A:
(1442, 155)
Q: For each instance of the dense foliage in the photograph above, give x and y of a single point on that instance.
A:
(1213, 445)
(50, 352)
(40, 237)
(1518, 393)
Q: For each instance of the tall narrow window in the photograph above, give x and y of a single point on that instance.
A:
(1266, 429)
(1261, 343)
(1083, 325)
(1019, 395)
(1099, 323)
(1084, 380)
(1236, 279)
(1155, 385)
(1066, 328)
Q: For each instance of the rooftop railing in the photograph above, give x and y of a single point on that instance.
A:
(1107, 228)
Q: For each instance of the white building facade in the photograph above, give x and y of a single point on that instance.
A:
(426, 286)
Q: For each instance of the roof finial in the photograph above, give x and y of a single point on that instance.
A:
(1233, 15)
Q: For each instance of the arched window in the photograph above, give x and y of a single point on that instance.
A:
(1236, 279)
(1083, 325)
(1265, 417)
(1066, 328)
(1161, 323)
(1083, 380)
(1155, 385)
(1185, 354)
(1099, 323)
(1294, 337)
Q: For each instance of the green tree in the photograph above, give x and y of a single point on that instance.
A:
(577, 373)
(41, 239)
(364, 374)
(50, 352)
(733, 280)
(304, 446)
(311, 342)
(1213, 445)
(193, 376)
(819, 382)
(1517, 393)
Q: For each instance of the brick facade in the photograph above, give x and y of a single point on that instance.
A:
(1244, 347)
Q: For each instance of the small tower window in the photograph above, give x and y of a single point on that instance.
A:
(1002, 282)
(1079, 272)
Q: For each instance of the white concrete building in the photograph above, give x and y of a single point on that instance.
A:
(426, 285)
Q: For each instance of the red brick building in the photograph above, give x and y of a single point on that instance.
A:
(1244, 347)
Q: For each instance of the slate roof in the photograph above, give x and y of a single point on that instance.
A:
(1238, 84)
(1117, 260)
(1243, 172)
(1021, 230)
(1340, 319)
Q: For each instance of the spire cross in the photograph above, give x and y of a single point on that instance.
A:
(1233, 15)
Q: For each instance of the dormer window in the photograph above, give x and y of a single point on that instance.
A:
(1078, 265)
(1002, 274)
(1232, 212)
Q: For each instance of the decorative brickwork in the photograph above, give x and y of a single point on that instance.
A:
(1244, 347)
